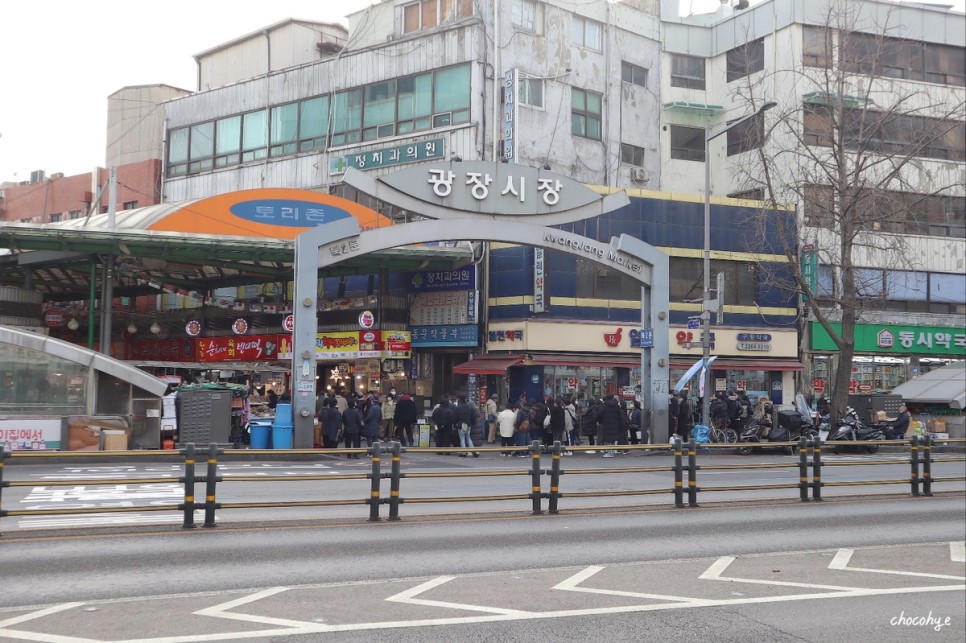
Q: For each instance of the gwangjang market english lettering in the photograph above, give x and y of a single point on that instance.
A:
(600, 252)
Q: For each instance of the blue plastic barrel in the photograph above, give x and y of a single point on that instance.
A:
(282, 437)
(283, 429)
(259, 433)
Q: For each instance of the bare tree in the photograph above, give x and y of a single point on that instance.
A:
(853, 148)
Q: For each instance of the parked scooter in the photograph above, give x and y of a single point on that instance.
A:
(759, 432)
(851, 429)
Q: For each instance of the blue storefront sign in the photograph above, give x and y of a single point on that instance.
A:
(449, 335)
(437, 280)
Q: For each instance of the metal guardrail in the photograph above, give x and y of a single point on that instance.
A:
(810, 462)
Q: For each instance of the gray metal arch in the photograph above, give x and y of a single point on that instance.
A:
(335, 242)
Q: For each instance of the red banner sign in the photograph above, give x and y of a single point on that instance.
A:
(237, 349)
(161, 350)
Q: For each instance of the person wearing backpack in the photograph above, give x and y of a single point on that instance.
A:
(571, 426)
(444, 418)
(521, 435)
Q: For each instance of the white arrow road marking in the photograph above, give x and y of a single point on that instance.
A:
(957, 551)
(571, 585)
(409, 596)
(843, 556)
(714, 573)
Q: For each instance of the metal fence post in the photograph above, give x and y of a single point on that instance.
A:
(189, 486)
(927, 465)
(554, 477)
(816, 469)
(375, 476)
(678, 475)
(914, 464)
(211, 479)
(394, 477)
(803, 468)
(535, 473)
(692, 474)
(4, 454)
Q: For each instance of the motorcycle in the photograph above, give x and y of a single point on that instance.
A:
(759, 432)
(851, 429)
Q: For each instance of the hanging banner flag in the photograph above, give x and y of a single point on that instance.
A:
(690, 373)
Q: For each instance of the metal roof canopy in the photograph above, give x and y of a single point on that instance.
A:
(56, 260)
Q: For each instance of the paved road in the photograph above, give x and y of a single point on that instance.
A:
(866, 569)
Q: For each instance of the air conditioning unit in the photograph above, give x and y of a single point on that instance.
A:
(639, 175)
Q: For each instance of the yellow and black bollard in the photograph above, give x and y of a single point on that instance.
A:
(692, 474)
(803, 468)
(376, 477)
(535, 473)
(678, 475)
(554, 477)
(914, 464)
(189, 486)
(926, 465)
(816, 469)
(394, 476)
(4, 454)
(211, 481)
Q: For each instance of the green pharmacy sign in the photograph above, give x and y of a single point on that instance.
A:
(896, 339)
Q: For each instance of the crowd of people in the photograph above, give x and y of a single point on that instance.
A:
(351, 418)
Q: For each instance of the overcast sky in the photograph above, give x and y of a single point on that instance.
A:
(61, 59)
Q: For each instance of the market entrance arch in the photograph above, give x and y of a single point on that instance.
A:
(468, 218)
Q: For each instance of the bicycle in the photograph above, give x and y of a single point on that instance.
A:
(721, 432)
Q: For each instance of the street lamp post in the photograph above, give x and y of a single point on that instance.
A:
(706, 299)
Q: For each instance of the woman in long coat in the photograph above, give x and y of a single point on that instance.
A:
(352, 427)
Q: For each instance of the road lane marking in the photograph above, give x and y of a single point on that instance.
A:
(221, 610)
(714, 573)
(957, 551)
(572, 585)
(843, 556)
(47, 611)
(409, 596)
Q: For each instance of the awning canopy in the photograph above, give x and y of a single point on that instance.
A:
(488, 364)
(946, 385)
(588, 361)
(739, 364)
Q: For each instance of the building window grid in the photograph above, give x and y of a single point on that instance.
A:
(634, 74)
(747, 136)
(585, 113)
(687, 72)
(632, 155)
(587, 33)
(298, 126)
(745, 60)
(530, 91)
(904, 59)
(687, 143)
(428, 14)
(527, 15)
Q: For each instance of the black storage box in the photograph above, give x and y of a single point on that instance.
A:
(791, 420)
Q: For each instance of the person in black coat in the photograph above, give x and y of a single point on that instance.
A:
(444, 418)
(673, 410)
(352, 420)
(613, 423)
(404, 418)
(331, 421)
(684, 418)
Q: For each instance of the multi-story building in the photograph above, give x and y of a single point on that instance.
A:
(575, 90)
(904, 68)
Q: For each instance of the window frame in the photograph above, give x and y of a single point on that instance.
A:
(527, 15)
(581, 28)
(688, 81)
(525, 85)
(630, 73)
(688, 153)
(632, 155)
(745, 60)
(582, 117)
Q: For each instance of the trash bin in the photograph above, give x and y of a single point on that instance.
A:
(282, 429)
(259, 433)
